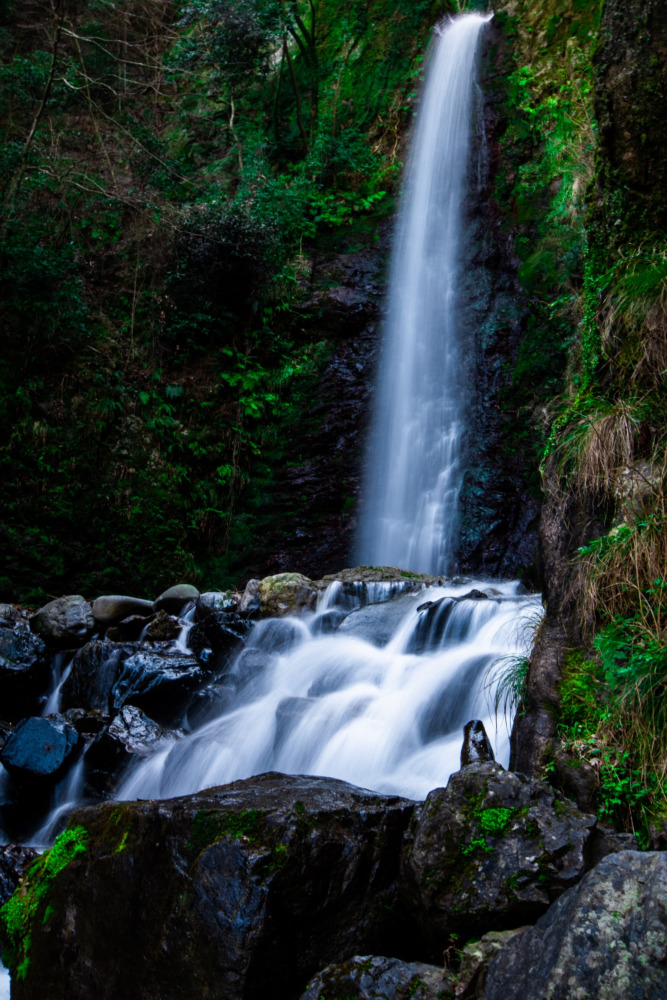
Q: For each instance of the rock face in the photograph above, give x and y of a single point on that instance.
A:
(217, 636)
(65, 623)
(371, 977)
(237, 892)
(24, 671)
(286, 594)
(39, 748)
(95, 669)
(604, 938)
(490, 851)
(159, 682)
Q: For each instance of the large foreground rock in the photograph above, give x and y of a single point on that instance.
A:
(490, 851)
(372, 977)
(605, 939)
(244, 891)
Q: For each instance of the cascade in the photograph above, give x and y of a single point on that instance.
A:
(415, 453)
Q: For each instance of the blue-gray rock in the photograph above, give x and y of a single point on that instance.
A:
(158, 681)
(372, 977)
(175, 598)
(24, 671)
(64, 623)
(39, 748)
(604, 939)
(115, 607)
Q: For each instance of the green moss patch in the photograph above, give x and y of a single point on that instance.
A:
(17, 915)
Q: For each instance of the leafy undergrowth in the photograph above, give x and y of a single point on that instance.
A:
(19, 912)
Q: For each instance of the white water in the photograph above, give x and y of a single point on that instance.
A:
(415, 453)
(385, 717)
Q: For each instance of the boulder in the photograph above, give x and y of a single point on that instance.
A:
(131, 735)
(115, 607)
(65, 623)
(9, 615)
(376, 623)
(606, 938)
(95, 670)
(286, 594)
(14, 859)
(490, 851)
(371, 977)
(159, 681)
(24, 671)
(250, 601)
(39, 748)
(476, 746)
(214, 601)
(175, 598)
(162, 628)
(236, 893)
(217, 636)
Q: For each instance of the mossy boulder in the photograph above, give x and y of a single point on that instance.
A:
(243, 891)
(605, 938)
(286, 594)
(490, 851)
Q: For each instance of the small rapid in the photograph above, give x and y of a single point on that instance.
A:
(380, 702)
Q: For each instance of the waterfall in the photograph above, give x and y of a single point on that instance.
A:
(380, 702)
(415, 452)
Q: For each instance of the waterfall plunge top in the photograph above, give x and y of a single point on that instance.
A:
(414, 461)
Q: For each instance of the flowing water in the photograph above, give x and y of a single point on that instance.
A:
(380, 702)
(415, 453)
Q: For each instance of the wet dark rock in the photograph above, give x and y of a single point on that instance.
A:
(476, 747)
(250, 601)
(131, 735)
(158, 681)
(490, 851)
(115, 607)
(605, 840)
(474, 595)
(95, 670)
(86, 723)
(174, 600)
(163, 628)
(237, 892)
(214, 601)
(130, 629)
(39, 748)
(24, 671)
(604, 938)
(14, 859)
(214, 639)
(208, 703)
(371, 977)
(64, 623)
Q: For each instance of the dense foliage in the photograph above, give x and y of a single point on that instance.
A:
(167, 171)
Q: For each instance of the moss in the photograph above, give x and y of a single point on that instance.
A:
(210, 826)
(17, 915)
